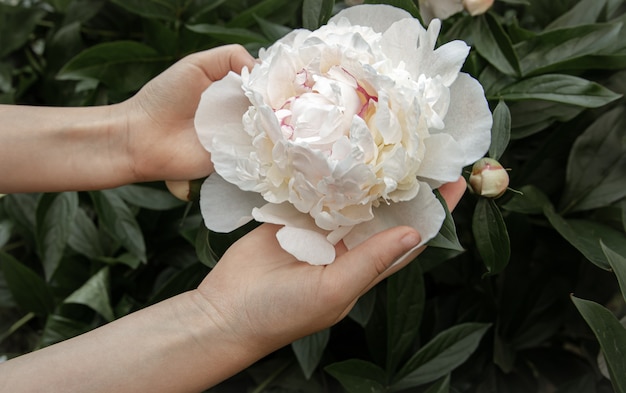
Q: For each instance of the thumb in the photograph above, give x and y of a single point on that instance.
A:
(369, 263)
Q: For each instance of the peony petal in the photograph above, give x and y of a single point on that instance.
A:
(469, 119)
(306, 245)
(437, 170)
(221, 105)
(377, 16)
(424, 213)
(283, 214)
(224, 206)
(447, 61)
(399, 41)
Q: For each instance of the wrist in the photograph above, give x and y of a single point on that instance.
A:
(226, 346)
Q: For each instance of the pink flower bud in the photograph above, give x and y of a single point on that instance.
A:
(488, 178)
(477, 7)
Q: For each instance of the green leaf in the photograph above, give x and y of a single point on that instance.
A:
(59, 328)
(405, 306)
(530, 200)
(358, 376)
(184, 280)
(612, 337)
(273, 31)
(119, 221)
(584, 235)
(261, 10)
(16, 25)
(21, 209)
(203, 247)
(547, 51)
(55, 215)
(588, 236)
(95, 294)
(6, 227)
(623, 207)
(491, 235)
(500, 130)
(446, 237)
(492, 43)
(407, 5)
(228, 34)
(123, 66)
(126, 258)
(444, 353)
(584, 12)
(82, 11)
(618, 264)
(84, 237)
(316, 12)
(29, 290)
(148, 197)
(196, 10)
(530, 117)
(309, 351)
(591, 182)
(151, 9)
(443, 386)
(565, 89)
(364, 308)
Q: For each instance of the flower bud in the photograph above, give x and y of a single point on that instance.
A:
(488, 178)
(477, 7)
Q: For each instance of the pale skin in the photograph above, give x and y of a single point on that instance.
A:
(256, 300)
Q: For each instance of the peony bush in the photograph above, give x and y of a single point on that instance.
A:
(352, 119)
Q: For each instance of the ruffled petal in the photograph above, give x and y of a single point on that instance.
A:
(221, 105)
(424, 213)
(306, 245)
(377, 16)
(224, 206)
(437, 171)
(469, 119)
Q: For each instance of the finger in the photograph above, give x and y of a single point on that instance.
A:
(217, 62)
(367, 264)
(452, 192)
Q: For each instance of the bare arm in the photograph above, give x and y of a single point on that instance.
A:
(149, 137)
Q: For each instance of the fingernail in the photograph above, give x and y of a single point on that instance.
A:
(410, 240)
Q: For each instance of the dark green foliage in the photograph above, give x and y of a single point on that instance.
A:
(487, 310)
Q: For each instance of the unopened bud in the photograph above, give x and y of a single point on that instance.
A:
(185, 190)
(488, 178)
(477, 7)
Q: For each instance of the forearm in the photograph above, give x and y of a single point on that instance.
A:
(59, 149)
(174, 346)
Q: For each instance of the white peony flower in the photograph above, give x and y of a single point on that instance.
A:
(342, 132)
